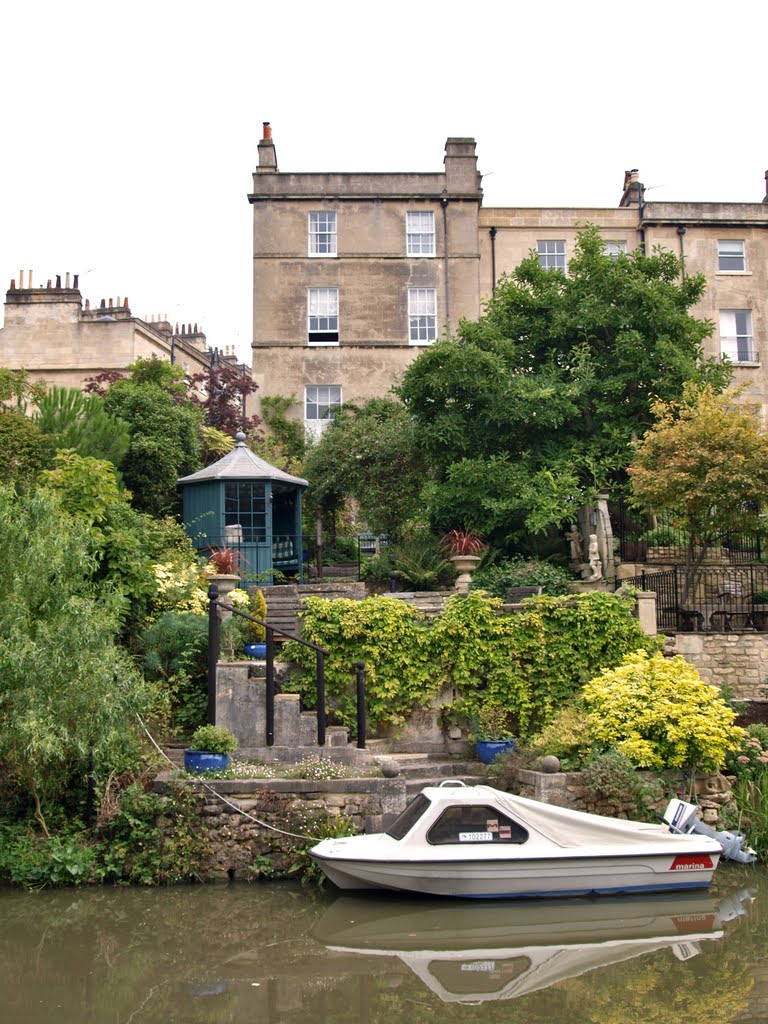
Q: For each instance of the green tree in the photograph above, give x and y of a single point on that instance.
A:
(288, 436)
(79, 421)
(165, 432)
(705, 462)
(24, 450)
(369, 454)
(531, 408)
(68, 693)
(128, 546)
(18, 390)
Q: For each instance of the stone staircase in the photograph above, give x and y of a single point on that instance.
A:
(420, 770)
(284, 601)
(241, 708)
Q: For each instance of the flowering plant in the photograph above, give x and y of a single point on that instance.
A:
(462, 542)
(750, 760)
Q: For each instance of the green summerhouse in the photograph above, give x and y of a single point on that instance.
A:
(244, 503)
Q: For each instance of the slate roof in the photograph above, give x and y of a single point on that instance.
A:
(242, 464)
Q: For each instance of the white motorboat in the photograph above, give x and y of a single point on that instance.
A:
(502, 950)
(476, 841)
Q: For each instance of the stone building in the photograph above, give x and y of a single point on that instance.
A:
(52, 334)
(353, 273)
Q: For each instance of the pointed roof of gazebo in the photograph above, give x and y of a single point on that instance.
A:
(242, 464)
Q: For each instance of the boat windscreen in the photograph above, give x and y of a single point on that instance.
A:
(404, 822)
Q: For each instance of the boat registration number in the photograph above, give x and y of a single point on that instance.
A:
(475, 837)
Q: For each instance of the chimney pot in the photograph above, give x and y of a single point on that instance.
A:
(267, 130)
(58, 280)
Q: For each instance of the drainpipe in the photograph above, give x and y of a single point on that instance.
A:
(492, 233)
(641, 214)
(444, 204)
(680, 234)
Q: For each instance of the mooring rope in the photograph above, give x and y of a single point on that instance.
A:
(219, 796)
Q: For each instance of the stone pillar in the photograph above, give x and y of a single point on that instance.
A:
(646, 611)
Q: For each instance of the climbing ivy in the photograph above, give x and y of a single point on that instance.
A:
(388, 635)
(529, 663)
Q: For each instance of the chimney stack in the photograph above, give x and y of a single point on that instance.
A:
(633, 189)
(267, 152)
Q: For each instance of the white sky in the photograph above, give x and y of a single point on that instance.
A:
(131, 130)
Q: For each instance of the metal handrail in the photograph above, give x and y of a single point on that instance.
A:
(321, 654)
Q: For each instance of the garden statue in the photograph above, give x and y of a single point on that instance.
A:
(595, 564)
(575, 540)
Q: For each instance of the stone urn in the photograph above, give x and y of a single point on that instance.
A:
(465, 566)
(226, 582)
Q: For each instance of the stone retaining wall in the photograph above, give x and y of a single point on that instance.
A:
(567, 789)
(240, 848)
(736, 660)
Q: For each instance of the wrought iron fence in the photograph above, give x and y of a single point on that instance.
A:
(642, 539)
(708, 599)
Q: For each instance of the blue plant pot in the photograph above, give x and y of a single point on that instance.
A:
(489, 750)
(202, 761)
(255, 650)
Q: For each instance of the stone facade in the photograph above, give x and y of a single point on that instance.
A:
(52, 334)
(240, 848)
(735, 660)
(371, 270)
(360, 252)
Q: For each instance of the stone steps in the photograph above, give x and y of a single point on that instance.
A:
(420, 770)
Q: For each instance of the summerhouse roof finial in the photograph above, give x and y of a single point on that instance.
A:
(240, 437)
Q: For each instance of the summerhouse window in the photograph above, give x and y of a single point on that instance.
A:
(245, 505)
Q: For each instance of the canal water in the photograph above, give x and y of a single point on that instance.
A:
(272, 953)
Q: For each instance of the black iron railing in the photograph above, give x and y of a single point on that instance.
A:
(718, 600)
(214, 603)
(644, 540)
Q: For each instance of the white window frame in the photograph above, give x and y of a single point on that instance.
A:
(615, 247)
(325, 397)
(731, 249)
(551, 257)
(737, 342)
(321, 229)
(422, 316)
(420, 233)
(322, 316)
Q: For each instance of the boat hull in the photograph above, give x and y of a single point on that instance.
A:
(525, 879)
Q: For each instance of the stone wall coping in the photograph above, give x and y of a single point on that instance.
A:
(235, 786)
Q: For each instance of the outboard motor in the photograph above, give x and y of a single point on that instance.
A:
(681, 817)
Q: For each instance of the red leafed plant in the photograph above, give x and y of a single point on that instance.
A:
(462, 542)
(225, 560)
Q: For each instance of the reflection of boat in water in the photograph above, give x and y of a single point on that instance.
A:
(476, 841)
(497, 950)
